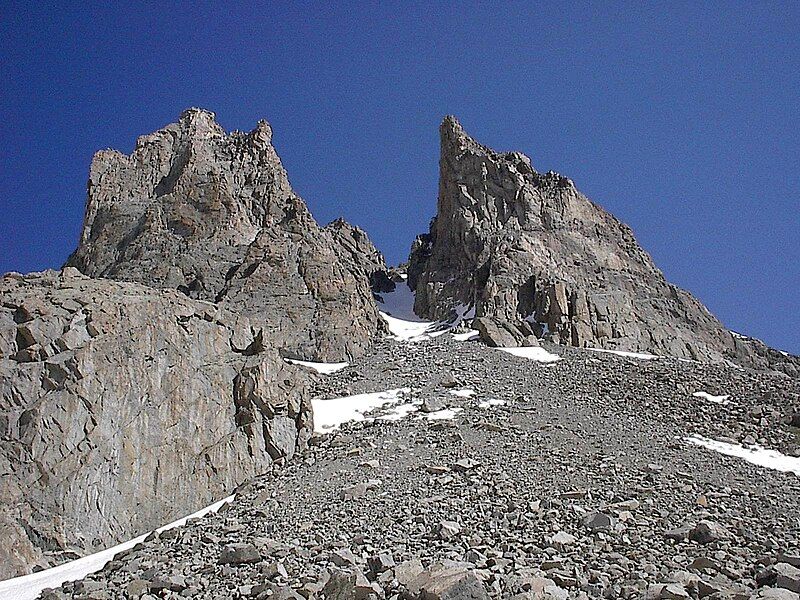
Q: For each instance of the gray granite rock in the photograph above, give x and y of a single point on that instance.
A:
(213, 215)
(788, 577)
(123, 407)
(447, 581)
(529, 250)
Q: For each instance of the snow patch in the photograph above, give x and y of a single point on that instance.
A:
(399, 303)
(28, 587)
(442, 415)
(626, 354)
(397, 309)
(757, 455)
(319, 367)
(400, 411)
(464, 393)
(723, 400)
(467, 336)
(536, 353)
(330, 414)
(411, 331)
(490, 402)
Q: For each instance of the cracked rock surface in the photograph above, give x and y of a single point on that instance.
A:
(212, 214)
(537, 258)
(123, 407)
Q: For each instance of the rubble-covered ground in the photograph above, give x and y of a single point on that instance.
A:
(573, 478)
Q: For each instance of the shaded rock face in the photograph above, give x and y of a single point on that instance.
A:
(213, 215)
(529, 249)
(358, 253)
(124, 407)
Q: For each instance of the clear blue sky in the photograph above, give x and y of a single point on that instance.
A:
(683, 119)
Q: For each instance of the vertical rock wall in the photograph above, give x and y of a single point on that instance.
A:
(123, 408)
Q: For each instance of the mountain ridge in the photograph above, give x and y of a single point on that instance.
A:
(199, 272)
(536, 258)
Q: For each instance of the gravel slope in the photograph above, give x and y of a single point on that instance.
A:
(579, 484)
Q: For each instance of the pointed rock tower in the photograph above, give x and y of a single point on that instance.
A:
(213, 215)
(538, 259)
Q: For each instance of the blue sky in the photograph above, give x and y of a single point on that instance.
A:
(683, 119)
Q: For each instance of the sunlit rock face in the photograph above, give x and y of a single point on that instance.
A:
(213, 215)
(124, 407)
(537, 258)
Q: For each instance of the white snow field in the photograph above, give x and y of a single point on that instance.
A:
(467, 336)
(441, 415)
(28, 587)
(490, 402)
(331, 413)
(319, 367)
(639, 355)
(410, 331)
(401, 411)
(763, 457)
(463, 393)
(715, 399)
(536, 353)
(397, 309)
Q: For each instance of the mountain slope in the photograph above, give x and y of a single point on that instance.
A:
(572, 479)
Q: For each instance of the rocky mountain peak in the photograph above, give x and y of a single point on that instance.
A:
(454, 139)
(535, 257)
(262, 134)
(213, 214)
(195, 112)
(451, 128)
(198, 117)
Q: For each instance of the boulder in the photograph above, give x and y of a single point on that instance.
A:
(788, 577)
(447, 581)
(708, 532)
(407, 571)
(597, 521)
(496, 333)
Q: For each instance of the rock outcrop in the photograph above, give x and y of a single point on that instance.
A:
(123, 407)
(528, 249)
(359, 254)
(213, 215)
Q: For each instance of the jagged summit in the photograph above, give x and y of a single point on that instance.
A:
(454, 140)
(194, 112)
(213, 214)
(538, 259)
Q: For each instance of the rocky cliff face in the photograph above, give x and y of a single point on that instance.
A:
(123, 407)
(213, 215)
(358, 253)
(537, 259)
